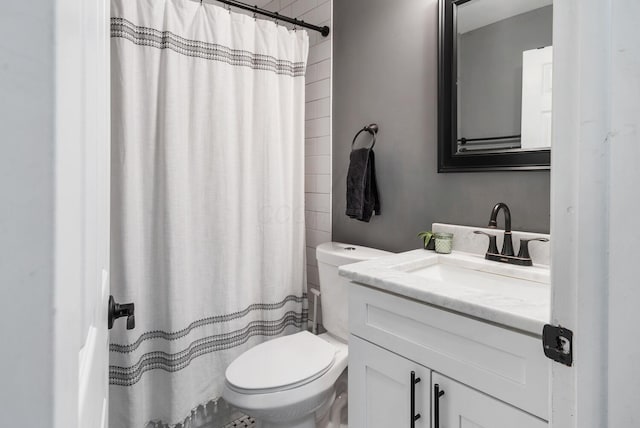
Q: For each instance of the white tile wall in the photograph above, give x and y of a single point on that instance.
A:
(317, 126)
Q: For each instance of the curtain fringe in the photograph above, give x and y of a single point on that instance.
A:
(204, 415)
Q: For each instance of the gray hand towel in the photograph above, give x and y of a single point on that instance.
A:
(362, 188)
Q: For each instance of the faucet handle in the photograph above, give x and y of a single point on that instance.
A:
(524, 247)
(493, 247)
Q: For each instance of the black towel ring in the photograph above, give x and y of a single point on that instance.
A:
(371, 129)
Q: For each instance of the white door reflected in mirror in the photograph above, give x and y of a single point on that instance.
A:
(537, 87)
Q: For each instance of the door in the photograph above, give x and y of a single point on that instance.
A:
(380, 388)
(536, 97)
(594, 188)
(463, 407)
(94, 355)
(82, 184)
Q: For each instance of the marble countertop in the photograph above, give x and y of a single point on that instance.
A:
(513, 296)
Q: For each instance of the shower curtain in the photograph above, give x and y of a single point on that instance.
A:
(207, 200)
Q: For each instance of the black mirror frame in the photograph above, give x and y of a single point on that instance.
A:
(448, 160)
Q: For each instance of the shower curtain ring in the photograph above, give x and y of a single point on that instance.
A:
(255, 14)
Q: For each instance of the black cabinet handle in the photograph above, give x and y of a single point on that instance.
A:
(414, 416)
(436, 405)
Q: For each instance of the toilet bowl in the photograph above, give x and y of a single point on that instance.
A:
(289, 382)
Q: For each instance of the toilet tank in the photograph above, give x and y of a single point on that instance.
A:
(333, 288)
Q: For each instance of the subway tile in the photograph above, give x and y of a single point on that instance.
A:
(319, 14)
(311, 74)
(318, 202)
(300, 7)
(318, 108)
(320, 52)
(323, 222)
(310, 110)
(311, 256)
(317, 182)
(318, 146)
(310, 183)
(310, 148)
(317, 90)
(322, 182)
(313, 275)
(323, 69)
(317, 237)
(273, 6)
(318, 71)
(286, 11)
(317, 164)
(317, 127)
(314, 37)
(317, 132)
(311, 220)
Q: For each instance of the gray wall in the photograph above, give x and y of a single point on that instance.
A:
(490, 72)
(26, 217)
(385, 71)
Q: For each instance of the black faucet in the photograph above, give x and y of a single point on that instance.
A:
(506, 255)
(507, 245)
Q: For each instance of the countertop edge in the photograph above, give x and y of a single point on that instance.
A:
(380, 278)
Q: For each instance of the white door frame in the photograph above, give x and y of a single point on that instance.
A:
(595, 202)
(82, 151)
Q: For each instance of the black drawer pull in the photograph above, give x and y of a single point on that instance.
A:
(436, 405)
(414, 416)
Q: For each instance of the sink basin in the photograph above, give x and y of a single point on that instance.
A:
(471, 270)
(452, 274)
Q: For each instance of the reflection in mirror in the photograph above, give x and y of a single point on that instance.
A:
(503, 71)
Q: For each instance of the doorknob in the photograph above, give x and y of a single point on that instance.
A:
(117, 310)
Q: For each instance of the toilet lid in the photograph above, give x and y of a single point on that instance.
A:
(281, 363)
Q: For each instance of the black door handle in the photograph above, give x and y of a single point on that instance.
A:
(414, 416)
(117, 310)
(436, 405)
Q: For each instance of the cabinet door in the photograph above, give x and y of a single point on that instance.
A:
(380, 388)
(463, 407)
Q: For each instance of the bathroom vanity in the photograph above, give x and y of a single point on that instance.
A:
(449, 340)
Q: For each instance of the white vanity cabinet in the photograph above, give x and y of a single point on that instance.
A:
(492, 376)
(463, 407)
(380, 384)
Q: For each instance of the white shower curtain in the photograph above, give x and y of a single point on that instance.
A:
(207, 200)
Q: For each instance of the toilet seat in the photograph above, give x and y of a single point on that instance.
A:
(280, 364)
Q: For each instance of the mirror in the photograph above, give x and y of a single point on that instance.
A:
(494, 85)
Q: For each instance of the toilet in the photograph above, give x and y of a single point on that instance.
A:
(290, 382)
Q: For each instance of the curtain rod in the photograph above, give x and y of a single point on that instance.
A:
(275, 15)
